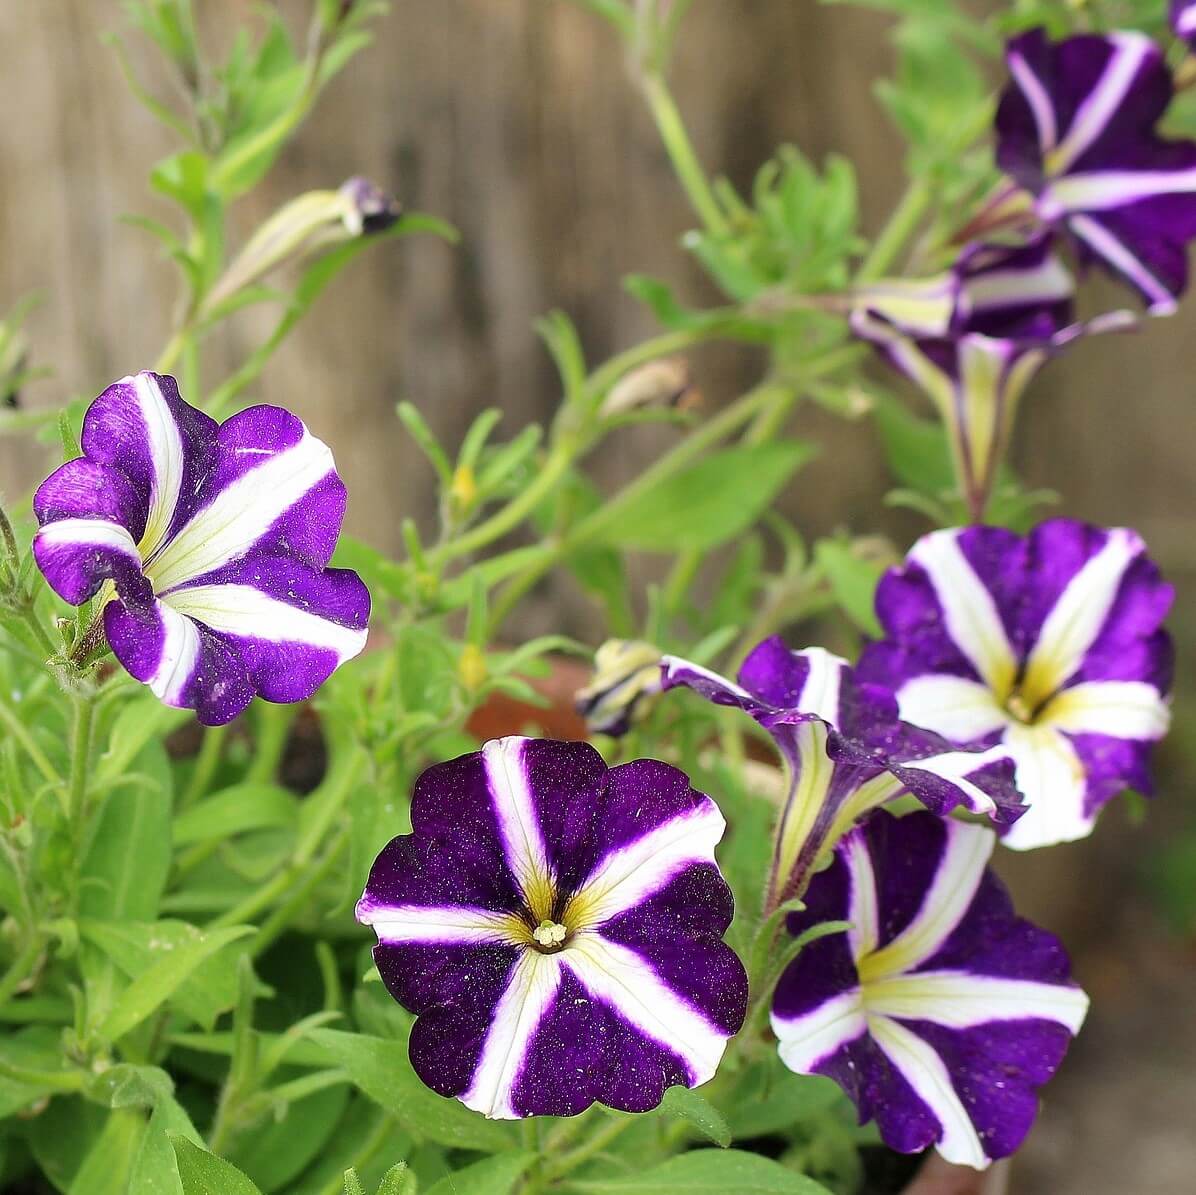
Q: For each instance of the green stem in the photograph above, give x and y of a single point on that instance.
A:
(282, 917)
(274, 727)
(80, 760)
(173, 351)
(900, 227)
(681, 152)
(382, 1132)
(20, 969)
(19, 731)
(10, 541)
(207, 760)
(596, 1144)
(664, 345)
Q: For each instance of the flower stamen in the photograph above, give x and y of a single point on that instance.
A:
(550, 935)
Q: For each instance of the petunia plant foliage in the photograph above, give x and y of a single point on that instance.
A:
(304, 889)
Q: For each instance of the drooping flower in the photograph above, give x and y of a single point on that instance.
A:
(626, 681)
(1076, 128)
(207, 545)
(1050, 645)
(556, 926)
(1183, 20)
(973, 340)
(847, 752)
(939, 1012)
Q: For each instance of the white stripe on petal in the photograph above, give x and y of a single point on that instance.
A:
(1101, 190)
(821, 691)
(959, 999)
(1038, 100)
(89, 533)
(971, 614)
(806, 800)
(241, 513)
(531, 989)
(958, 709)
(1077, 617)
(518, 824)
(673, 668)
(1124, 709)
(960, 870)
(180, 656)
(1104, 244)
(248, 613)
(861, 908)
(449, 925)
(925, 1072)
(956, 766)
(628, 983)
(165, 447)
(1093, 115)
(637, 870)
(1051, 778)
(803, 1042)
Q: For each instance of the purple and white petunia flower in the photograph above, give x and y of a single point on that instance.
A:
(1183, 20)
(972, 341)
(847, 752)
(1076, 128)
(207, 545)
(1050, 645)
(939, 1012)
(556, 926)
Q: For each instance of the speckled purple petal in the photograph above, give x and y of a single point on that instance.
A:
(939, 1012)
(638, 991)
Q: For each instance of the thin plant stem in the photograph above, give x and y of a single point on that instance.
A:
(20, 969)
(80, 758)
(681, 153)
(207, 760)
(901, 225)
(587, 1149)
(19, 731)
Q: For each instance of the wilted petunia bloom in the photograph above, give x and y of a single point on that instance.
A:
(1076, 129)
(207, 544)
(556, 926)
(940, 1012)
(847, 752)
(1049, 644)
(625, 683)
(973, 339)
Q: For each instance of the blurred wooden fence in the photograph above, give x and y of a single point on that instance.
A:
(516, 121)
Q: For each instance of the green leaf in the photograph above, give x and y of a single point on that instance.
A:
(203, 1173)
(235, 810)
(134, 946)
(398, 1180)
(853, 579)
(129, 1086)
(106, 1168)
(352, 1183)
(383, 1071)
(916, 449)
(705, 505)
(709, 1172)
(155, 1171)
(161, 980)
(491, 1176)
(698, 1111)
(279, 1150)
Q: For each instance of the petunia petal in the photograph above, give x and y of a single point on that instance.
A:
(1123, 709)
(77, 556)
(959, 709)
(1051, 775)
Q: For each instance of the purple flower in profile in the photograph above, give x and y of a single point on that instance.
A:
(1183, 20)
(556, 926)
(972, 341)
(1076, 129)
(206, 544)
(847, 752)
(1050, 645)
(939, 1012)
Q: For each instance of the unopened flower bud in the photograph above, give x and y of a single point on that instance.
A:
(303, 227)
(471, 668)
(626, 681)
(662, 383)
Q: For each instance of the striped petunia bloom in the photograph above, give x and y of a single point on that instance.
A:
(974, 339)
(1183, 20)
(1050, 645)
(939, 1012)
(847, 752)
(556, 926)
(207, 545)
(1076, 129)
